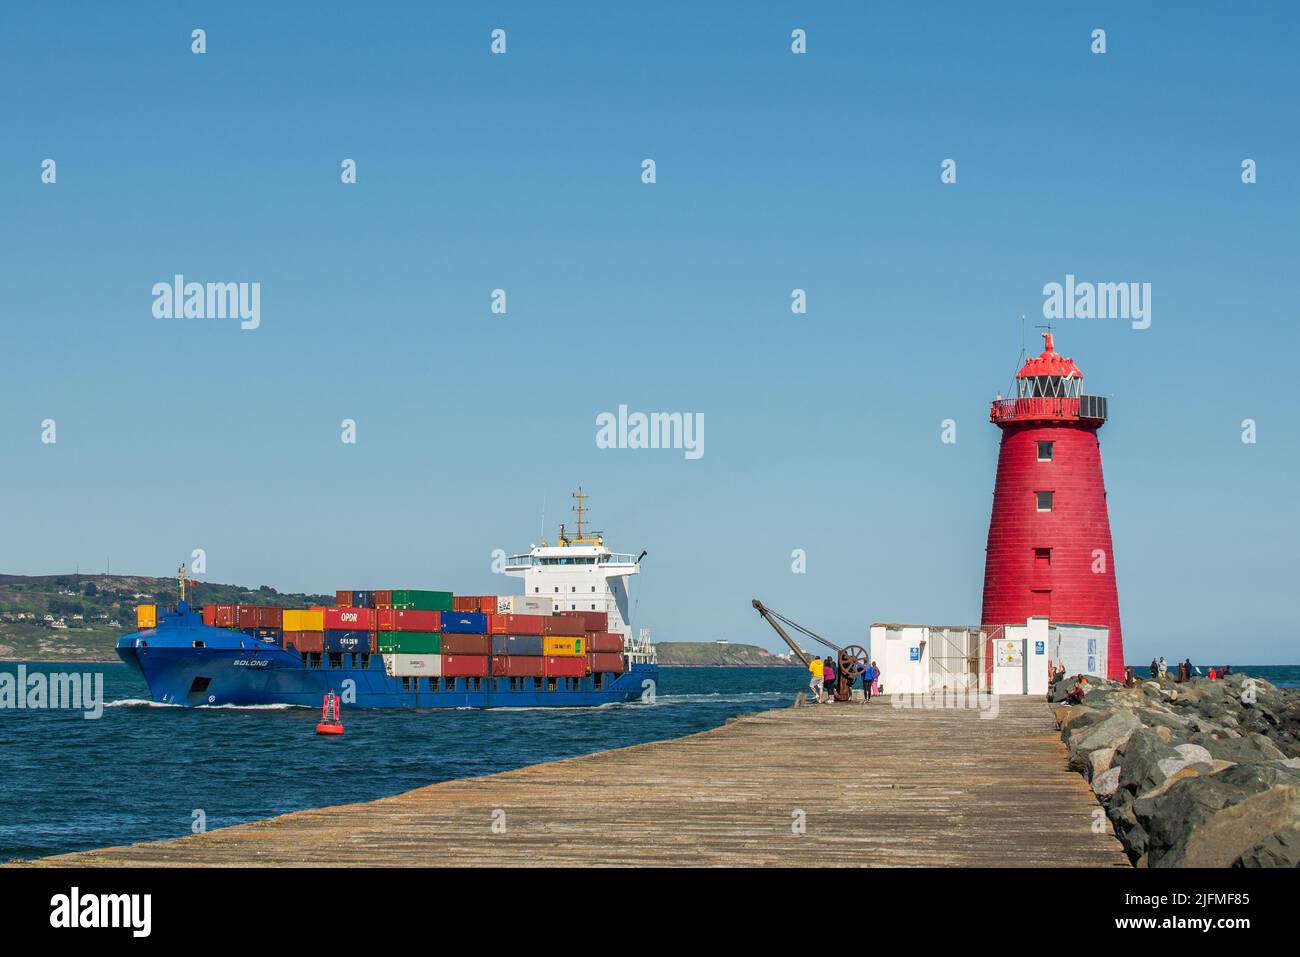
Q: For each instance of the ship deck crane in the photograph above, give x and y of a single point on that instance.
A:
(852, 659)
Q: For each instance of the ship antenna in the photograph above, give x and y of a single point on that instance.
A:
(181, 574)
(580, 509)
(542, 532)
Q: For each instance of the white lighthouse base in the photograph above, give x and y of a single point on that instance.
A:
(966, 659)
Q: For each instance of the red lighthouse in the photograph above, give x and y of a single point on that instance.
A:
(1049, 551)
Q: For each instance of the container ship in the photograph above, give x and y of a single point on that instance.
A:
(565, 642)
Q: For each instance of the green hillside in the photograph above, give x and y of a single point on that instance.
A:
(712, 654)
(89, 612)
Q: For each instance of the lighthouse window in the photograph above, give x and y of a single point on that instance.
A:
(1044, 501)
(1045, 451)
(1042, 557)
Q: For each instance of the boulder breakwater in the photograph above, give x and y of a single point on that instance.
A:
(1194, 774)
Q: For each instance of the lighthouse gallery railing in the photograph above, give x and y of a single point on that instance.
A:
(1050, 407)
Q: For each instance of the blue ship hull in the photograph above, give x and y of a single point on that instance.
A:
(185, 662)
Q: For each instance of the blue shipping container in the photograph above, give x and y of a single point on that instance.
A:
(347, 641)
(363, 599)
(464, 622)
(527, 645)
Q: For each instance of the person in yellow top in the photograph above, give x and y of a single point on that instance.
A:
(818, 678)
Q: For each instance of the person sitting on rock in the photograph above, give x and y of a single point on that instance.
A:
(1078, 691)
(1213, 674)
(1128, 676)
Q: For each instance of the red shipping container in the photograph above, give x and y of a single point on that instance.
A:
(225, 616)
(408, 619)
(564, 624)
(258, 616)
(466, 644)
(517, 625)
(305, 640)
(611, 664)
(605, 642)
(465, 603)
(384, 599)
(343, 599)
(513, 666)
(464, 666)
(487, 604)
(349, 619)
(593, 620)
(209, 615)
(566, 667)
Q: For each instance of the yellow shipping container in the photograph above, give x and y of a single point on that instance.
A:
(304, 619)
(146, 616)
(562, 647)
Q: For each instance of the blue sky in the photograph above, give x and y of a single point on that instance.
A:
(775, 172)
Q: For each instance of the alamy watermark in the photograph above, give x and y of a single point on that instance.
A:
(40, 690)
(1100, 300)
(179, 299)
(654, 430)
(940, 698)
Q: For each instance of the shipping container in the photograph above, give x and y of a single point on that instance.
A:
(524, 605)
(464, 603)
(258, 616)
(486, 605)
(464, 666)
(460, 644)
(560, 667)
(515, 624)
(506, 666)
(146, 616)
(607, 663)
(349, 619)
(465, 623)
(413, 666)
(384, 598)
(225, 616)
(407, 619)
(305, 640)
(563, 623)
(348, 641)
(272, 636)
(566, 647)
(210, 615)
(593, 620)
(303, 619)
(343, 599)
(422, 600)
(518, 645)
(600, 642)
(363, 599)
(410, 642)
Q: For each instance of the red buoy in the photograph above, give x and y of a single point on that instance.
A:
(1049, 548)
(331, 715)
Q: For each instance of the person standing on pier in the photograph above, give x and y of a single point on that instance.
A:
(828, 677)
(868, 676)
(818, 676)
(875, 679)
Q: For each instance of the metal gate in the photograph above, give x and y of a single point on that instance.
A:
(954, 658)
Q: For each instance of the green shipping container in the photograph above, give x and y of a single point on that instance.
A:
(422, 600)
(410, 643)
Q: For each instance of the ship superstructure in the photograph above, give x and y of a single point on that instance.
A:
(581, 573)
